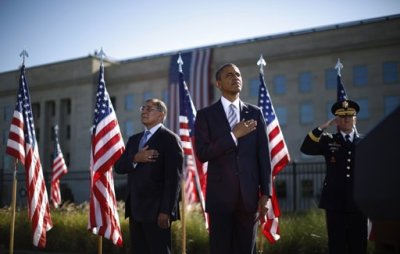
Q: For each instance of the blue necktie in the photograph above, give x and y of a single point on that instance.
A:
(144, 139)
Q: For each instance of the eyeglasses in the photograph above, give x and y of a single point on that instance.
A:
(148, 109)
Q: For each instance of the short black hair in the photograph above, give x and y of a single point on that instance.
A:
(221, 68)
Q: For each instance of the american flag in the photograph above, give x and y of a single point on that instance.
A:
(279, 155)
(195, 173)
(59, 169)
(106, 148)
(22, 145)
(197, 70)
(341, 92)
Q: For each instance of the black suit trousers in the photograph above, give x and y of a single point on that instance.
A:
(233, 233)
(149, 238)
(347, 232)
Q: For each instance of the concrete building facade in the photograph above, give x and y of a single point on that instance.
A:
(300, 77)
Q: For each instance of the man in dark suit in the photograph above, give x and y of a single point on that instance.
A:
(346, 224)
(231, 136)
(153, 160)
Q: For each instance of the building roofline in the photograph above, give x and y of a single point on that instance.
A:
(270, 37)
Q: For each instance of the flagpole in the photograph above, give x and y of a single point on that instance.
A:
(13, 206)
(183, 217)
(100, 244)
(260, 240)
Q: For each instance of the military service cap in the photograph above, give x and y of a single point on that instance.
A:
(345, 108)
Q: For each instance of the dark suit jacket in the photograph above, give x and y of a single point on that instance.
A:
(153, 187)
(233, 170)
(337, 189)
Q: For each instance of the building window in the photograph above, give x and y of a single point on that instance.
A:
(147, 95)
(329, 105)
(165, 96)
(254, 85)
(364, 109)
(50, 108)
(128, 128)
(391, 103)
(305, 82)
(390, 72)
(67, 158)
(281, 114)
(306, 113)
(8, 112)
(68, 130)
(360, 75)
(36, 110)
(330, 78)
(37, 134)
(114, 103)
(307, 188)
(129, 102)
(66, 106)
(5, 136)
(280, 84)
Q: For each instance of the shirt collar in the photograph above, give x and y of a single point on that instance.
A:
(351, 134)
(226, 103)
(153, 130)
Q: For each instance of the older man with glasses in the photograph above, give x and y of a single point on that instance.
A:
(153, 160)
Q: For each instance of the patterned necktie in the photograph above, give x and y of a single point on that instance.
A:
(144, 139)
(232, 118)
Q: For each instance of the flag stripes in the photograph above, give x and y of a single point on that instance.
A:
(59, 169)
(106, 148)
(194, 171)
(279, 156)
(22, 145)
(197, 70)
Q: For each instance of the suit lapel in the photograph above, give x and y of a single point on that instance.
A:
(220, 112)
(244, 111)
(154, 136)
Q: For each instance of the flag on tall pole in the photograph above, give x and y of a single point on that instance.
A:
(22, 145)
(195, 172)
(341, 92)
(279, 154)
(106, 148)
(197, 71)
(59, 169)
(341, 96)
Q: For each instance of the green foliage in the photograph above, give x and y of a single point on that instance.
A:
(300, 233)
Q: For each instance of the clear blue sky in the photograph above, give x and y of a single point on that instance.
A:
(58, 30)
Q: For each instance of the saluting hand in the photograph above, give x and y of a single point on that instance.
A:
(330, 122)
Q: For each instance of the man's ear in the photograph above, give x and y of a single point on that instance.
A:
(217, 84)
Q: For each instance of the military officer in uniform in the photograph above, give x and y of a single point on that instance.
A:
(346, 224)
